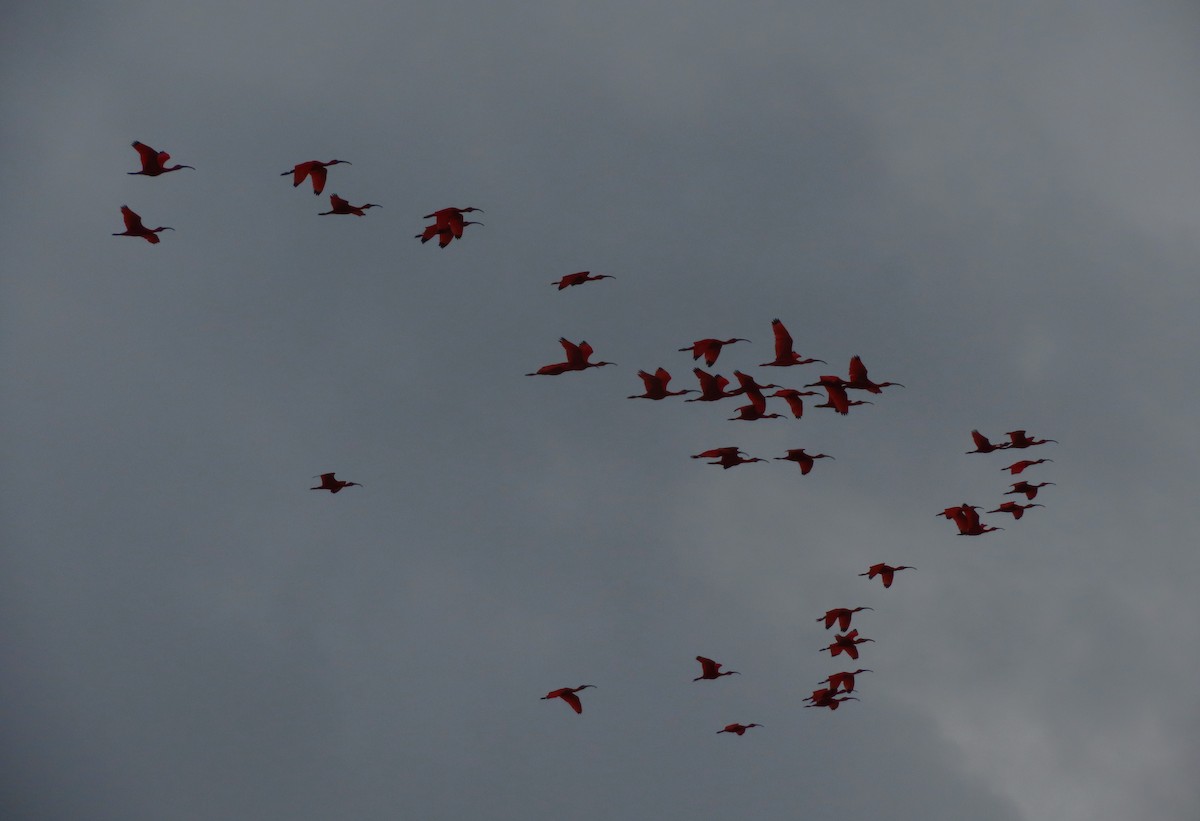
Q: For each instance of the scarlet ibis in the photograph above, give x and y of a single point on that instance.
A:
(448, 225)
(709, 668)
(835, 387)
(1020, 440)
(578, 357)
(1017, 467)
(726, 457)
(845, 680)
(740, 729)
(847, 643)
(315, 169)
(828, 700)
(804, 460)
(579, 278)
(860, 381)
(841, 615)
(751, 413)
(567, 694)
(982, 445)
(784, 354)
(134, 227)
(710, 349)
(966, 518)
(793, 398)
(333, 485)
(1029, 490)
(752, 390)
(656, 385)
(154, 162)
(885, 571)
(712, 387)
(1016, 509)
(341, 206)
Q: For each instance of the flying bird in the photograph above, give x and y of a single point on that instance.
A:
(134, 227)
(784, 353)
(794, 400)
(712, 387)
(835, 387)
(885, 572)
(1015, 508)
(740, 729)
(578, 279)
(709, 668)
(840, 615)
(1017, 467)
(847, 644)
(314, 169)
(448, 225)
(803, 459)
(656, 385)
(1029, 490)
(333, 485)
(726, 457)
(154, 162)
(752, 390)
(845, 680)
(826, 697)
(751, 413)
(578, 359)
(710, 349)
(1020, 440)
(567, 694)
(860, 381)
(982, 445)
(341, 206)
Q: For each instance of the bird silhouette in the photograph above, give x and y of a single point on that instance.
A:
(333, 485)
(578, 279)
(1018, 467)
(726, 457)
(134, 227)
(710, 349)
(709, 668)
(448, 225)
(885, 571)
(784, 353)
(842, 616)
(845, 680)
(1020, 440)
(847, 643)
(794, 400)
(751, 413)
(1015, 508)
(740, 729)
(804, 460)
(982, 445)
(1030, 491)
(567, 694)
(860, 381)
(752, 390)
(315, 169)
(578, 359)
(154, 162)
(712, 387)
(656, 385)
(341, 206)
(835, 387)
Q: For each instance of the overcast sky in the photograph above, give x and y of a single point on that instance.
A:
(995, 206)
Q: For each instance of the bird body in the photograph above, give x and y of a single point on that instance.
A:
(885, 571)
(332, 484)
(804, 460)
(567, 694)
(1015, 508)
(785, 355)
(656, 385)
(710, 349)
(1030, 490)
(1020, 440)
(154, 162)
(341, 206)
(845, 680)
(712, 387)
(578, 359)
(739, 729)
(982, 445)
(709, 669)
(1017, 468)
(860, 381)
(841, 616)
(847, 643)
(578, 279)
(726, 457)
(448, 225)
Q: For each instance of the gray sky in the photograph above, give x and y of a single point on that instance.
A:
(995, 206)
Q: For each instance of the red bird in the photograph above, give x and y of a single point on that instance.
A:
(847, 643)
(885, 571)
(709, 668)
(751, 413)
(578, 279)
(982, 445)
(752, 390)
(804, 460)
(328, 482)
(1029, 490)
(841, 615)
(828, 700)
(784, 355)
(341, 206)
(1020, 440)
(567, 694)
(845, 680)
(835, 386)
(726, 457)
(448, 225)
(578, 357)
(315, 169)
(710, 349)
(792, 397)
(860, 381)
(134, 227)
(712, 387)
(1017, 467)
(740, 729)
(1017, 510)
(966, 518)
(154, 162)
(656, 385)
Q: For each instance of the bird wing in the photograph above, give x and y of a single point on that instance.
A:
(132, 221)
(981, 441)
(663, 377)
(858, 371)
(319, 175)
(572, 350)
(300, 172)
(338, 203)
(573, 700)
(708, 667)
(783, 340)
(147, 154)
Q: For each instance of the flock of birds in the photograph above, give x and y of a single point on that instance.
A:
(449, 224)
